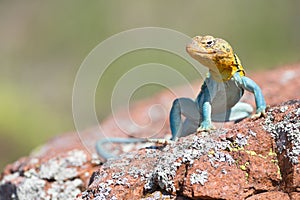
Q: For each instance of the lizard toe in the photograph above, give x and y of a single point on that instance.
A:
(205, 127)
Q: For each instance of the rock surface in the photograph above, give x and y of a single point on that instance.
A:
(248, 160)
(251, 160)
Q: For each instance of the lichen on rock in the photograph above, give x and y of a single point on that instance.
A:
(286, 130)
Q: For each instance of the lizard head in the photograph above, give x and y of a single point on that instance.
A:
(209, 51)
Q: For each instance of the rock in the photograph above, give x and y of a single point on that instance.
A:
(61, 177)
(270, 196)
(248, 160)
(244, 165)
(284, 126)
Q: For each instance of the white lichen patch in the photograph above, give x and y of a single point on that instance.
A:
(287, 130)
(252, 133)
(137, 172)
(9, 177)
(241, 140)
(185, 154)
(122, 181)
(32, 188)
(199, 177)
(76, 158)
(63, 168)
(157, 195)
(283, 108)
(224, 171)
(65, 190)
(58, 174)
(220, 156)
(95, 159)
(54, 170)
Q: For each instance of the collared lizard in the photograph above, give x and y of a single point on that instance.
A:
(218, 99)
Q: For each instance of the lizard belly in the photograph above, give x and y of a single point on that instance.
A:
(225, 96)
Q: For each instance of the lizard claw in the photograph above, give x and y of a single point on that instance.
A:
(259, 114)
(205, 126)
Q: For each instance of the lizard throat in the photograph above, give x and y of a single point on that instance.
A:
(225, 70)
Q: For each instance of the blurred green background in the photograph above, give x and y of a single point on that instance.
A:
(42, 45)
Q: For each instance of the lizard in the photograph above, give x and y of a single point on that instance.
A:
(218, 99)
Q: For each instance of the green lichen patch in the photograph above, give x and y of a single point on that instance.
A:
(244, 166)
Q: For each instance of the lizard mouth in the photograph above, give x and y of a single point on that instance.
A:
(204, 52)
(195, 51)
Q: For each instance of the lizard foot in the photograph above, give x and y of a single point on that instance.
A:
(259, 113)
(205, 126)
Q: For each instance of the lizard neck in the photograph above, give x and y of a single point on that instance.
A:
(226, 68)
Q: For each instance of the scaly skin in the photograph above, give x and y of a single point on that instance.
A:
(224, 68)
(219, 96)
(217, 55)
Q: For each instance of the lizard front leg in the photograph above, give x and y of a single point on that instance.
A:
(204, 103)
(206, 124)
(252, 87)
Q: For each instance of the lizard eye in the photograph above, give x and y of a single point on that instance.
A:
(210, 43)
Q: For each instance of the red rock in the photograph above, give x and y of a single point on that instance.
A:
(270, 196)
(197, 167)
(257, 170)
